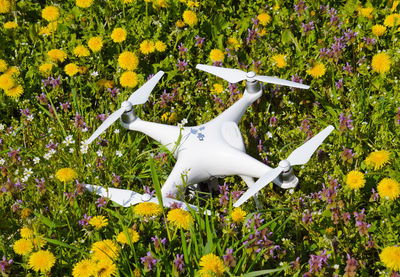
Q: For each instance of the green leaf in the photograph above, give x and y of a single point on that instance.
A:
(263, 272)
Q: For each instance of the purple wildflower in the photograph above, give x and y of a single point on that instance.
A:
(317, 262)
(350, 35)
(101, 202)
(347, 68)
(5, 265)
(255, 20)
(253, 130)
(307, 27)
(229, 260)
(14, 154)
(256, 66)
(345, 122)
(85, 220)
(369, 41)
(300, 7)
(273, 120)
(116, 180)
(307, 217)
(42, 99)
(51, 145)
(252, 36)
(114, 92)
(40, 185)
(158, 243)
(199, 41)
(397, 117)
(179, 264)
(351, 266)
(339, 84)
(17, 205)
(101, 117)
(148, 261)
(182, 49)
(79, 123)
(374, 196)
(181, 65)
(347, 155)
(65, 106)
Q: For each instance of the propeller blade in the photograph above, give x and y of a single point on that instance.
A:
(282, 82)
(110, 120)
(141, 95)
(262, 182)
(122, 197)
(228, 74)
(303, 154)
(128, 198)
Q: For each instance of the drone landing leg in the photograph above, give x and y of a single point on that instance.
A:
(250, 182)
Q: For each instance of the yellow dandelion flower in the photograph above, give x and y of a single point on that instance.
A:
(211, 265)
(23, 246)
(25, 213)
(39, 242)
(81, 51)
(190, 18)
(217, 88)
(378, 159)
(12, 71)
(43, 261)
(180, 24)
(392, 20)
(118, 35)
(378, 30)
(5, 6)
(279, 60)
(355, 179)
(264, 18)
(105, 249)
(71, 69)
(128, 60)
(66, 174)
(26, 233)
(84, 268)
(14, 92)
(317, 71)
(172, 118)
(238, 215)
(217, 55)
(98, 222)
(389, 188)
(147, 47)
(128, 79)
(390, 257)
(95, 44)
(147, 209)
(104, 83)
(84, 3)
(165, 116)
(395, 4)
(160, 3)
(82, 69)
(381, 62)
(51, 13)
(105, 268)
(366, 12)
(10, 25)
(6, 81)
(180, 218)
(57, 55)
(127, 2)
(3, 65)
(160, 46)
(46, 68)
(121, 238)
(192, 4)
(233, 43)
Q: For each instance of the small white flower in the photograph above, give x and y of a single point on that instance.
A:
(52, 151)
(118, 153)
(269, 134)
(85, 129)
(71, 150)
(1, 127)
(94, 74)
(291, 191)
(36, 160)
(16, 172)
(281, 263)
(336, 266)
(30, 117)
(2, 161)
(84, 149)
(68, 140)
(28, 172)
(24, 179)
(47, 156)
(99, 153)
(116, 131)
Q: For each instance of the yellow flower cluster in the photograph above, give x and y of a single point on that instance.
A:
(128, 79)
(390, 257)
(128, 60)
(57, 55)
(211, 265)
(233, 43)
(147, 47)
(51, 13)
(95, 44)
(10, 25)
(378, 159)
(94, 267)
(84, 3)
(190, 18)
(279, 60)
(98, 222)
(216, 55)
(317, 71)
(118, 35)
(381, 63)
(8, 82)
(264, 18)
(46, 68)
(180, 218)
(147, 209)
(355, 179)
(5, 6)
(238, 215)
(66, 174)
(43, 261)
(389, 188)
(378, 30)
(123, 239)
(71, 69)
(81, 51)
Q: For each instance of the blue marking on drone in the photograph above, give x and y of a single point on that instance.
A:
(193, 131)
(202, 128)
(200, 136)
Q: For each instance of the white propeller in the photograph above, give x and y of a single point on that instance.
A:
(299, 156)
(140, 96)
(236, 75)
(128, 198)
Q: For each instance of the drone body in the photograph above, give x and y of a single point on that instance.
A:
(213, 149)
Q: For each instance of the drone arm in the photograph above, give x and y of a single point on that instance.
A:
(166, 135)
(235, 112)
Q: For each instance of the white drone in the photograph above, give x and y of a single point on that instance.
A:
(213, 149)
